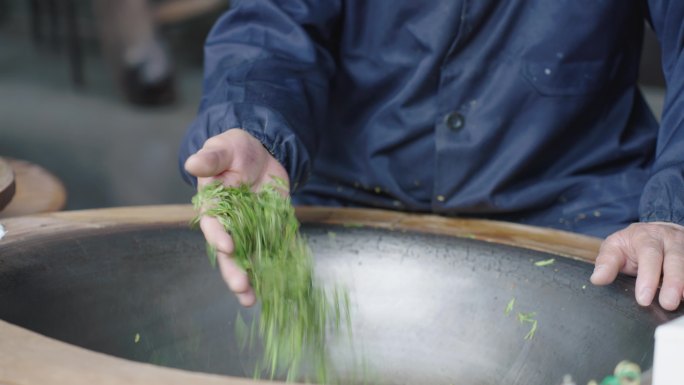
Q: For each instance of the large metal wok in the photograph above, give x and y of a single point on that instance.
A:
(428, 296)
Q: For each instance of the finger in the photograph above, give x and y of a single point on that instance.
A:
(236, 279)
(672, 289)
(209, 161)
(649, 253)
(216, 235)
(201, 182)
(610, 260)
(246, 299)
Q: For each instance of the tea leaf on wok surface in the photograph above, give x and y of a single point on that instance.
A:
(509, 307)
(529, 318)
(296, 312)
(545, 262)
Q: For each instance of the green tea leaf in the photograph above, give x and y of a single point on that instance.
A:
(296, 312)
(241, 332)
(526, 317)
(529, 318)
(533, 329)
(545, 262)
(211, 253)
(509, 307)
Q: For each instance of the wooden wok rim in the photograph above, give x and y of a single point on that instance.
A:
(7, 183)
(28, 358)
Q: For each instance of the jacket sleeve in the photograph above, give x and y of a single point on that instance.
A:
(267, 70)
(663, 195)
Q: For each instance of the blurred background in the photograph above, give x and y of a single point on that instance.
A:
(100, 92)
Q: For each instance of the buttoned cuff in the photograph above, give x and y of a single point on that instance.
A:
(663, 197)
(266, 125)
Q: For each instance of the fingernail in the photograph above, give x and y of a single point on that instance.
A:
(597, 270)
(645, 296)
(669, 298)
(246, 299)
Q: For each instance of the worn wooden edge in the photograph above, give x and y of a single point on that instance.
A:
(29, 227)
(570, 245)
(563, 243)
(7, 183)
(28, 358)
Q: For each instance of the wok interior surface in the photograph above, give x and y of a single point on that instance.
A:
(425, 308)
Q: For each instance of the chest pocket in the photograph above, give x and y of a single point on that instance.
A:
(570, 78)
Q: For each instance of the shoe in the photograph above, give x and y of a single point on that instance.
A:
(140, 92)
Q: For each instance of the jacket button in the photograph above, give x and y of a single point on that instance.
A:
(454, 121)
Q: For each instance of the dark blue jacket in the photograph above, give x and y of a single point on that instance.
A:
(515, 110)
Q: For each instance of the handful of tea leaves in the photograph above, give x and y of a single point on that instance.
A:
(296, 313)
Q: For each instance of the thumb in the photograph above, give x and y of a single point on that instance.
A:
(208, 162)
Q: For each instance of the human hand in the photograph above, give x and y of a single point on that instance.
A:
(233, 157)
(645, 250)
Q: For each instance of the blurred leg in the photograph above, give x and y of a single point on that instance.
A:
(53, 19)
(141, 63)
(73, 43)
(36, 21)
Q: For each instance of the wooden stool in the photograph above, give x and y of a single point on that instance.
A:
(35, 190)
(7, 185)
